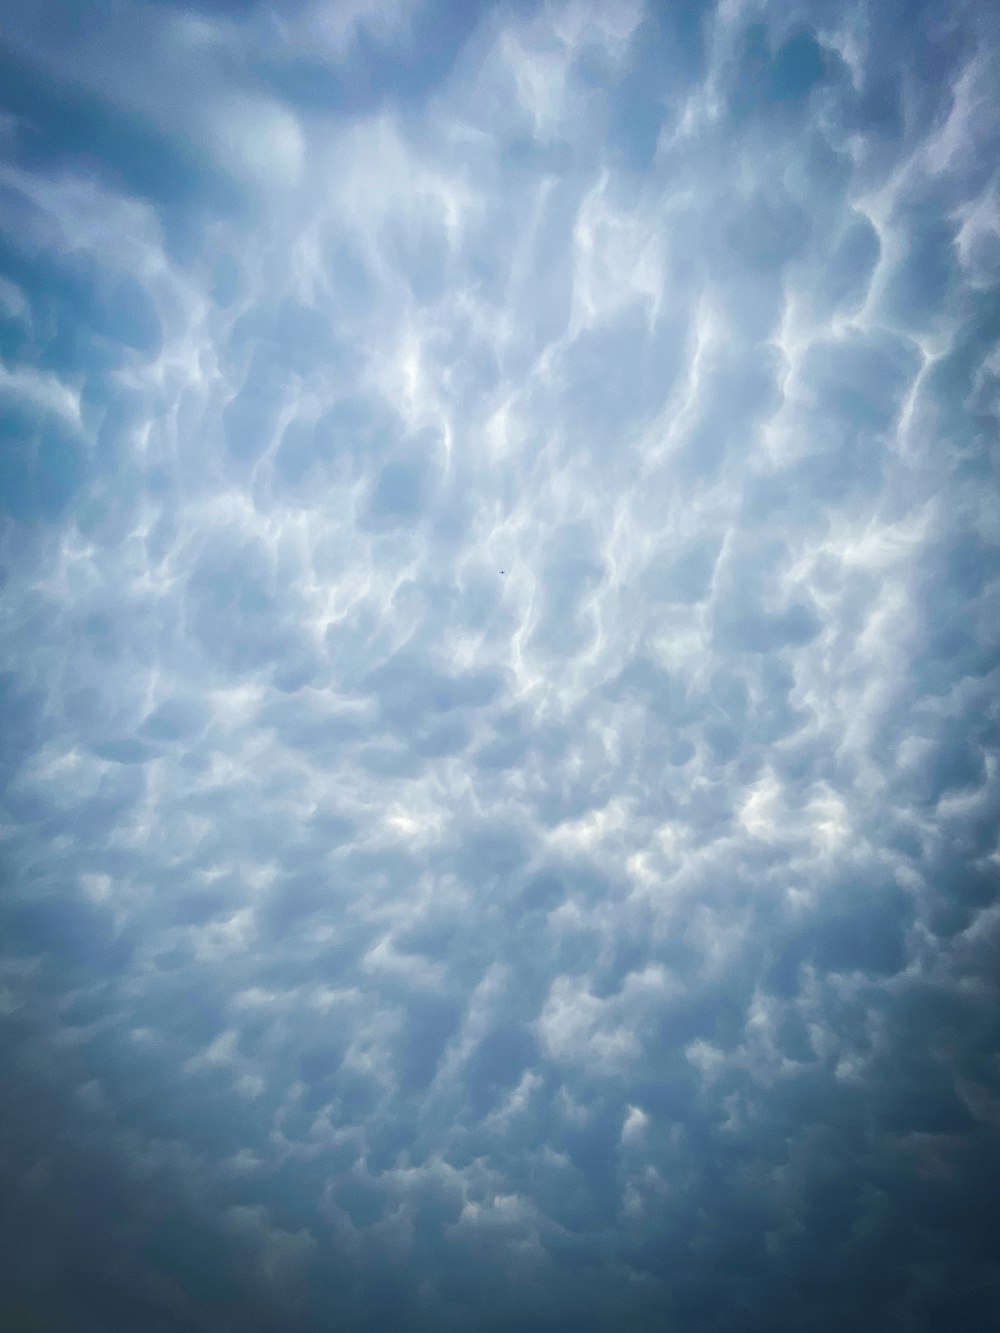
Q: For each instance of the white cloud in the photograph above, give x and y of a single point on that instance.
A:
(534, 937)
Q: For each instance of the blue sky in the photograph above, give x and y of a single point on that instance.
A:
(500, 568)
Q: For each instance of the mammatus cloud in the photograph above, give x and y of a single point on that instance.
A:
(389, 941)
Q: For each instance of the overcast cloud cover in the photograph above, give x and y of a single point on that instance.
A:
(392, 943)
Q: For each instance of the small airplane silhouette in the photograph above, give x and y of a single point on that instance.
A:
(501, 571)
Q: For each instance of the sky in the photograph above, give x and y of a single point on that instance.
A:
(500, 599)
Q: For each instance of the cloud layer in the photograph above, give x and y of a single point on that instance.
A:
(501, 576)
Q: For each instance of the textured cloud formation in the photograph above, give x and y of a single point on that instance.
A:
(501, 581)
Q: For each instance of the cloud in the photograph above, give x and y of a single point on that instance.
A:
(500, 579)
